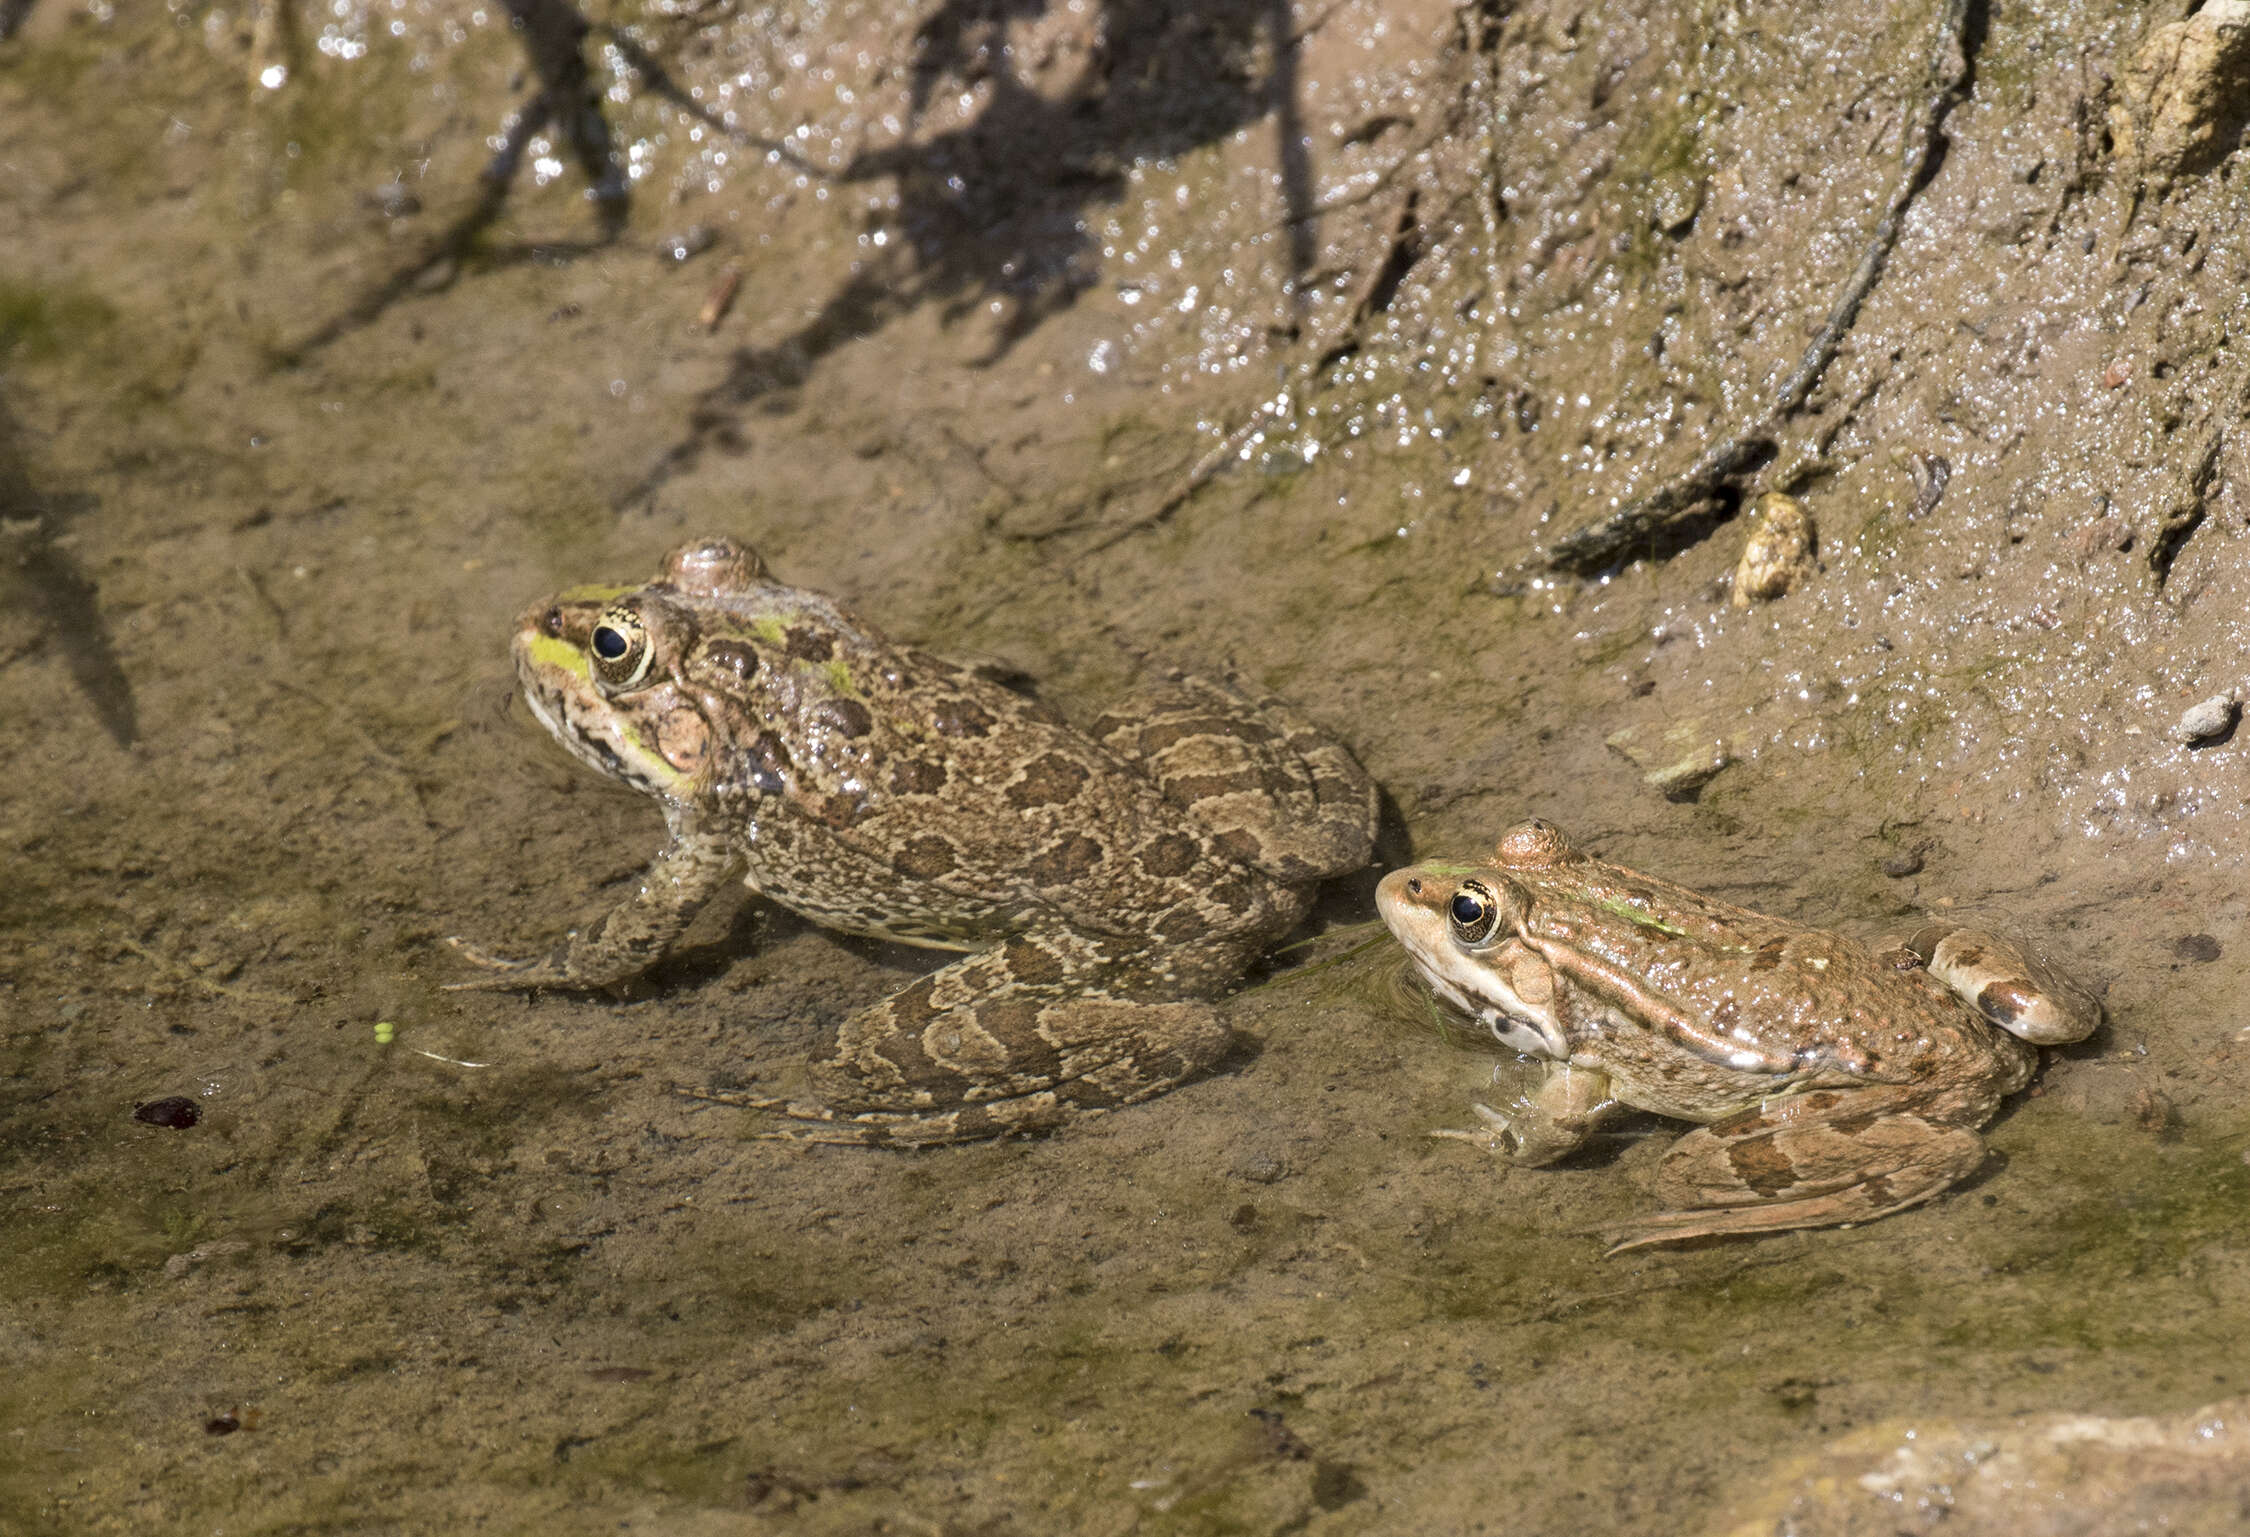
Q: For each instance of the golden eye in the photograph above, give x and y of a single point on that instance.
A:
(1474, 913)
(622, 654)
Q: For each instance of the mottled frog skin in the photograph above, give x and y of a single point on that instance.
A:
(1106, 882)
(1834, 1082)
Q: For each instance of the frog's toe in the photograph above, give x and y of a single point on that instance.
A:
(1496, 1135)
(815, 1122)
(508, 972)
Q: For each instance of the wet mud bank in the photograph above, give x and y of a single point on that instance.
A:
(1092, 339)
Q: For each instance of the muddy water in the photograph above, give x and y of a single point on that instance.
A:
(297, 411)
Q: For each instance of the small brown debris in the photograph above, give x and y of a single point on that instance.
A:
(2155, 1114)
(720, 299)
(176, 1111)
(2196, 949)
(2118, 372)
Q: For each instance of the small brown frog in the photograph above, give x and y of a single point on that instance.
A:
(1833, 1083)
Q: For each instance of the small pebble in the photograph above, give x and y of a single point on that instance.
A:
(1902, 864)
(2199, 949)
(177, 1111)
(2214, 717)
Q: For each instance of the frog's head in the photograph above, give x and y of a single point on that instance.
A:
(1463, 926)
(622, 676)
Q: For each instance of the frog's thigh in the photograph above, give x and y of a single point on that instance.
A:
(2009, 983)
(972, 1034)
(1280, 795)
(1810, 1160)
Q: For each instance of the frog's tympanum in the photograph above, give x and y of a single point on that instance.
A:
(1107, 882)
(1833, 1082)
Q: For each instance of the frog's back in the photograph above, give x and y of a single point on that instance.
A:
(1786, 993)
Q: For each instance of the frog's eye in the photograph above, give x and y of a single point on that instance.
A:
(621, 650)
(1474, 913)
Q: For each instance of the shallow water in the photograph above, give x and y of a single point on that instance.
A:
(296, 413)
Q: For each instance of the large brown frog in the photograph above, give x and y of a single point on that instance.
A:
(1107, 882)
(1834, 1082)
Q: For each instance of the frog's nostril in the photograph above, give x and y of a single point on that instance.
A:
(1413, 888)
(552, 624)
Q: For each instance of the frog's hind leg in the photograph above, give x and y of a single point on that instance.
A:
(1809, 1160)
(2009, 982)
(993, 1045)
(1279, 793)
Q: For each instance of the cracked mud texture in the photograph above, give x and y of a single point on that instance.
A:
(295, 412)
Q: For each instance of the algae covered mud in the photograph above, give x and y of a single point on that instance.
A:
(1089, 340)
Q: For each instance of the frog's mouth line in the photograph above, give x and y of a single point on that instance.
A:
(590, 741)
(1518, 1029)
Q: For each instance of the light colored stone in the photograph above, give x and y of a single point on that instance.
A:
(1677, 761)
(2184, 99)
(2208, 719)
(1778, 551)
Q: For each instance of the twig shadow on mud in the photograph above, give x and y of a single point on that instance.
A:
(997, 210)
(41, 580)
(554, 37)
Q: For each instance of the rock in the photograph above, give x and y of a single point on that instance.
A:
(1674, 199)
(2214, 717)
(1779, 549)
(1678, 761)
(2182, 102)
(2040, 1476)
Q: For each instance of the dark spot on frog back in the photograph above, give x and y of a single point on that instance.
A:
(837, 811)
(1168, 855)
(1768, 955)
(761, 767)
(807, 644)
(1032, 964)
(959, 717)
(1051, 779)
(917, 776)
(732, 660)
(1068, 859)
(847, 716)
(926, 858)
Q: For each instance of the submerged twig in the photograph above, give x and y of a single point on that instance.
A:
(1666, 512)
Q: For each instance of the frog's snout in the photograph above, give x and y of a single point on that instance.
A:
(1398, 894)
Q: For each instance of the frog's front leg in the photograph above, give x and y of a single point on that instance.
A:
(632, 936)
(1550, 1121)
(998, 1042)
(1805, 1160)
